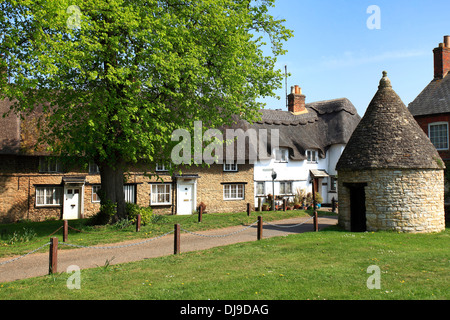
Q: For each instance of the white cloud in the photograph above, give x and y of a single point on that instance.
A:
(351, 59)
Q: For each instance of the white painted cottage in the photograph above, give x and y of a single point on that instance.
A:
(312, 138)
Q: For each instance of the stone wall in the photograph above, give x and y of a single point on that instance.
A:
(19, 176)
(399, 200)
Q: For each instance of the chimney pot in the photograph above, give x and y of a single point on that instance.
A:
(447, 41)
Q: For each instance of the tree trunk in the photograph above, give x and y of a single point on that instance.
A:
(112, 189)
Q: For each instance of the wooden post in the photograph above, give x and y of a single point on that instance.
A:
(316, 221)
(260, 228)
(284, 204)
(200, 213)
(65, 230)
(333, 205)
(259, 204)
(176, 246)
(53, 256)
(138, 223)
(248, 209)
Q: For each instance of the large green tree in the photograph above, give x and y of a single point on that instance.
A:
(116, 77)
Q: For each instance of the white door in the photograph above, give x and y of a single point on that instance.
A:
(71, 203)
(185, 199)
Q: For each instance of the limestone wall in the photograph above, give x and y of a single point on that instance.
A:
(19, 177)
(399, 200)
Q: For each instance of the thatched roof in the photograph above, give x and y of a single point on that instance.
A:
(388, 137)
(326, 123)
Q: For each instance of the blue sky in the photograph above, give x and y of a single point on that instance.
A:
(333, 53)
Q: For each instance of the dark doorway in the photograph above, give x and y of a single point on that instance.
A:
(357, 206)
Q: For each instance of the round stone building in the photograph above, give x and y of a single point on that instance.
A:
(390, 176)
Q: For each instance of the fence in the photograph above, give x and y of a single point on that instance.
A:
(54, 243)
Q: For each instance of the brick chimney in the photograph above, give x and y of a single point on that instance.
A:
(296, 101)
(442, 59)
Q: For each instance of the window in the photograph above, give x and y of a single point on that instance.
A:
(129, 190)
(285, 187)
(95, 196)
(230, 167)
(162, 167)
(233, 191)
(260, 188)
(49, 164)
(130, 193)
(93, 168)
(438, 133)
(311, 156)
(161, 194)
(333, 183)
(48, 196)
(281, 155)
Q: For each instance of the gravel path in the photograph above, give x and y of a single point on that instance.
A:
(37, 264)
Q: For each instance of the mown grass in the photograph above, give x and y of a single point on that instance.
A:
(330, 264)
(81, 233)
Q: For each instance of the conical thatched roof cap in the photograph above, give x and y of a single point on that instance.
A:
(388, 137)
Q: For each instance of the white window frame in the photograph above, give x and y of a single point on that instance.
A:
(131, 193)
(55, 200)
(281, 155)
(430, 125)
(230, 167)
(231, 191)
(95, 189)
(161, 167)
(155, 194)
(311, 156)
(285, 184)
(263, 188)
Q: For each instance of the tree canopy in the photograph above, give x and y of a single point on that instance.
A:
(116, 77)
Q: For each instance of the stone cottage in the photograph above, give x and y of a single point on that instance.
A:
(390, 174)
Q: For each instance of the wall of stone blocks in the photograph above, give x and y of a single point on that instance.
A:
(19, 176)
(399, 200)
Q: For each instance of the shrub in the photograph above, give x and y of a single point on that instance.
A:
(104, 216)
(133, 210)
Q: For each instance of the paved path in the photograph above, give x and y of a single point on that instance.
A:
(36, 264)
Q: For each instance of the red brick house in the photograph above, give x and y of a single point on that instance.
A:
(431, 108)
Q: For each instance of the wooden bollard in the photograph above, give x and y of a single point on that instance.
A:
(138, 223)
(260, 228)
(65, 230)
(200, 213)
(316, 221)
(176, 245)
(248, 209)
(53, 256)
(284, 204)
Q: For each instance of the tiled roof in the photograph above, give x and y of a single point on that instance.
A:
(435, 98)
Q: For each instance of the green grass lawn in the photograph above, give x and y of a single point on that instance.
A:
(330, 264)
(81, 233)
